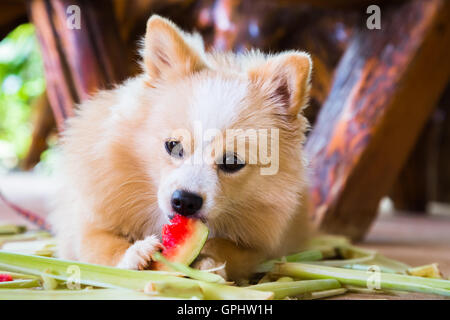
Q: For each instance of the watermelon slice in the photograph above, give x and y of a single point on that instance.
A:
(183, 239)
(5, 277)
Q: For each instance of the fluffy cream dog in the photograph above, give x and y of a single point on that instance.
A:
(127, 166)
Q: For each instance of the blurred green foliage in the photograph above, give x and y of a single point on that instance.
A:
(21, 80)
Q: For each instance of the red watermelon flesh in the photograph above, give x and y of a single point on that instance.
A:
(183, 239)
(5, 277)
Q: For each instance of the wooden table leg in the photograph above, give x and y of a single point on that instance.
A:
(385, 88)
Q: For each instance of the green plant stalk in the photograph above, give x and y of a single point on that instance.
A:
(360, 278)
(365, 267)
(15, 275)
(24, 236)
(295, 288)
(322, 294)
(352, 252)
(164, 272)
(45, 253)
(189, 272)
(327, 293)
(308, 255)
(343, 262)
(49, 283)
(213, 291)
(45, 247)
(329, 244)
(392, 264)
(328, 241)
(29, 283)
(170, 288)
(85, 294)
(90, 274)
(379, 260)
(355, 289)
(285, 279)
(359, 256)
(110, 277)
(328, 252)
(8, 229)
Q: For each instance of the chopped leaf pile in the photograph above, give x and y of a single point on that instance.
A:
(331, 266)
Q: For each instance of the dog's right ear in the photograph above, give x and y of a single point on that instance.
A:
(167, 53)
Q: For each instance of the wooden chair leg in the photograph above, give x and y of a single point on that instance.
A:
(426, 175)
(411, 190)
(43, 126)
(442, 147)
(77, 62)
(385, 88)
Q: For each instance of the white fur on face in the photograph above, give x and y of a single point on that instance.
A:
(195, 178)
(212, 107)
(216, 102)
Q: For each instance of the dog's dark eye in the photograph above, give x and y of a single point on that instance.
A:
(231, 163)
(174, 148)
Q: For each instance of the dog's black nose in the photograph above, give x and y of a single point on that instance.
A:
(186, 203)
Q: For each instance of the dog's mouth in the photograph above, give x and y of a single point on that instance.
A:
(198, 216)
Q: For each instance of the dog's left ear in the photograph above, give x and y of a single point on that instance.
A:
(168, 51)
(285, 78)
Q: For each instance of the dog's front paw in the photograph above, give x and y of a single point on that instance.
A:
(139, 255)
(209, 264)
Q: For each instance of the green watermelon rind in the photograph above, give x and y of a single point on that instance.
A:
(192, 245)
